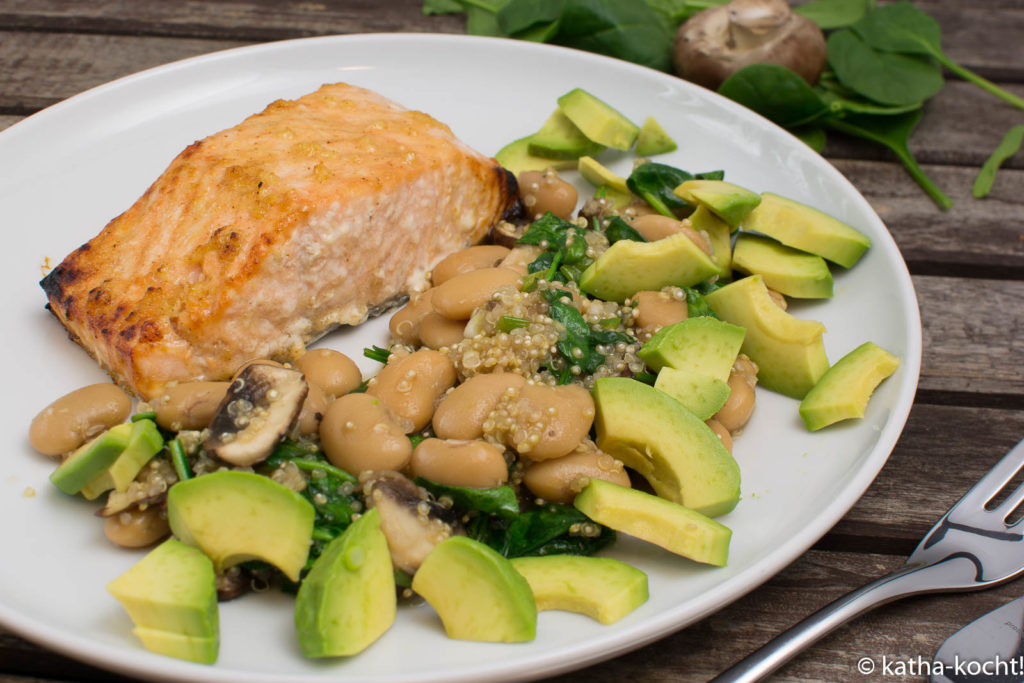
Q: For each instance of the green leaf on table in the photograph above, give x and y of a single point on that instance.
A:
(903, 28)
(519, 15)
(893, 132)
(775, 92)
(1009, 146)
(812, 136)
(831, 14)
(885, 77)
(841, 100)
(627, 30)
(675, 12)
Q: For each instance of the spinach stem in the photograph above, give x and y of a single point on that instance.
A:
(179, 461)
(983, 83)
(902, 153)
(310, 465)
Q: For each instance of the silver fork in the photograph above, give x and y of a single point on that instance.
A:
(970, 548)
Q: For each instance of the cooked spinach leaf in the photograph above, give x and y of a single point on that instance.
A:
(696, 304)
(548, 530)
(500, 501)
(618, 229)
(579, 347)
(655, 183)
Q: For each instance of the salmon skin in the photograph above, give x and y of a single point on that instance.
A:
(258, 239)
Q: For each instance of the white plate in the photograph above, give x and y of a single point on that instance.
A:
(68, 170)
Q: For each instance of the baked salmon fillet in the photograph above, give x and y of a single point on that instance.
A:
(314, 213)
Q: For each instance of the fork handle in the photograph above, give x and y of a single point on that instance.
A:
(910, 580)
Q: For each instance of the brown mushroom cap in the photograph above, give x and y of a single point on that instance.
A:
(715, 43)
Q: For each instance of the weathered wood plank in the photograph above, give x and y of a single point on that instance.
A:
(40, 69)
(942, 452)
(973, 339)
(8, 121)
(940, 242)
(248, 19)
(973, 33)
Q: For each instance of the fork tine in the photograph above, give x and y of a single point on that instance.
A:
(1006, 508)
(996, 478)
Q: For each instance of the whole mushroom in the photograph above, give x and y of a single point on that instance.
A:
(715, 43)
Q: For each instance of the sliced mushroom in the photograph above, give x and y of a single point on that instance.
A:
(260, 407)
(715, 43)
(412, 523)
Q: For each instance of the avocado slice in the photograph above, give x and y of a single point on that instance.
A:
(651, 432)
(171, 597)
(700, 394)
(90, 459)
(728, 201)
(598, 121)
(144, 442)
(786, 270)
(516, 158)
(347, 601)
(559, 138)
(653, 139)
(802, 227)
(235, 516)
(669, 525)
(595, 173)
(599, 587)
(477, 593)
(720, 234)
(842, 393)
(701, 344)
(628, 267)
(789, 352)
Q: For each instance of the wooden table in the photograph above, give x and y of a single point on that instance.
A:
(967, 265)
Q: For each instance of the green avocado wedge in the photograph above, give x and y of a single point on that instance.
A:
(91, 459)
(786, 270)
(559, 138)
(599, 587)
(789, 351)
(651, 432)
(720, 235)
(235, 517)
(144, 442)
(515, 157)
(653, 139)
(347, 600)
(802, 227)
(477, 593)
(700, 344)
(701, 395)
(728, 201)
(598, 120)
(628, 267)
(656, 520)
(171, 597)
(843, 392)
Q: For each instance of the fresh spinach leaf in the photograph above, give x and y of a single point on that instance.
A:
(775, 92)
(675, 12)
(831, 14)
(619, 229)
(893, 132)
(812, 136)
(520, 15)
(886, 77)
(841, 100)
(903, 28)
(500, 501)
(627, 30)
(1009, 146)
(655, 183)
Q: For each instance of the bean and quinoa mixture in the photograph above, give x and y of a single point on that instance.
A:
(479, 422)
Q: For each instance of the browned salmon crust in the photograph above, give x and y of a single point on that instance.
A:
(258, 239)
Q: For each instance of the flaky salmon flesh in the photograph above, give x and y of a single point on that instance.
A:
(260, 238)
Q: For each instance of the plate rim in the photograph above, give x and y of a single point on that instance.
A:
(613, 644)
